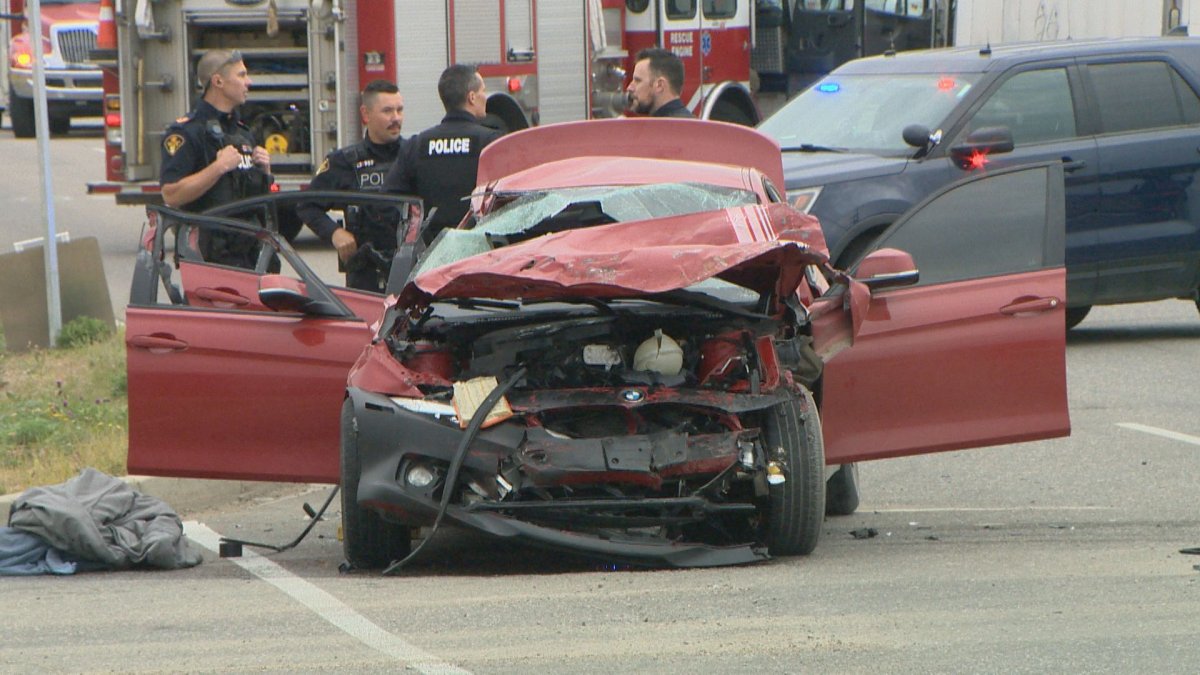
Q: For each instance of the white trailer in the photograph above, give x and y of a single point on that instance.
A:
(996, 21)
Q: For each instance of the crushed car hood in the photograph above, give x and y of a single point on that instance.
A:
(764, 248)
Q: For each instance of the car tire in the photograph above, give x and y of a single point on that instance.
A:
(1075, 315)
(724, 111)
(841, 491)
(368, 541)
(20, 109)
(797, 506)
(60, 125)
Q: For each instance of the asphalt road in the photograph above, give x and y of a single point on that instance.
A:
(1055, 556)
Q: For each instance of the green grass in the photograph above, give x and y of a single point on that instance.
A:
(62, 410)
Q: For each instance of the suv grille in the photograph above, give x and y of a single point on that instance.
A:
(76, 44)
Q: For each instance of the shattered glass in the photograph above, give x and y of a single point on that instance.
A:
(622, 204)
(619, 204)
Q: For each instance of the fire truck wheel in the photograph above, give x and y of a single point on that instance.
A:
(367, 539)
(726, 111)
(60, 124)
(494, 121)
(21, 110)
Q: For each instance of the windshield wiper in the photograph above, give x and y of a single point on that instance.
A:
(705, 301)
(810, 147)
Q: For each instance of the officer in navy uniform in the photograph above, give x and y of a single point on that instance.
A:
(362, 167)
(441, 163)
(654, 88)
(209, 157)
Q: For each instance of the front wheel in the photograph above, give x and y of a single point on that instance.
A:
(60, 125)
(368, 540)
(797, 506)
(20, 109)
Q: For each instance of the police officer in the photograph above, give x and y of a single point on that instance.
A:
(362, 167)
(441, 163)
(654, 88)
(209, 156)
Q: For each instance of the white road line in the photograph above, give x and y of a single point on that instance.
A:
(1165, 433)
(326, 606)
(988, 509)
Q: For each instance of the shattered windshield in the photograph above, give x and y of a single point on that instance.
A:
(537, 213)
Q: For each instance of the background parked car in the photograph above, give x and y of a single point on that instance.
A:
(877, 135)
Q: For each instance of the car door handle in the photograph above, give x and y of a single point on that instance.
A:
(158, 343)
(1022, 306)
(1071, 165)
(221, 298)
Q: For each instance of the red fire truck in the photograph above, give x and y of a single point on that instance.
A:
(543, 61)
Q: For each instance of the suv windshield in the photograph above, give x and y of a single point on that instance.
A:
(866, 113)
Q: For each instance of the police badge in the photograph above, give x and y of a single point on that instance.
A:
(172, 144)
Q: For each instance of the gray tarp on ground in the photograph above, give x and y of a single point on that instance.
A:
(22, 554)
(99, 518)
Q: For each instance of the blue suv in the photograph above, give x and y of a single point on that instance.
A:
(877, 135)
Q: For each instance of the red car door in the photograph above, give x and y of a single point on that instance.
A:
(238, 393)
(974, 353)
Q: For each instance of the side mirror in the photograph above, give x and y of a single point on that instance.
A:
(285, 294)
(282, 294)
(985, 141)
(887, 268)
(916, 135)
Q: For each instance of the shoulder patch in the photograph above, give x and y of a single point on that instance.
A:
(323, 168)
(173, 143)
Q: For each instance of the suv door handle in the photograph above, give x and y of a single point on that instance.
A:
(1071, 166)
(1027, 305)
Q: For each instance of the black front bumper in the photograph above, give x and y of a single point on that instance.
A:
(388, 435)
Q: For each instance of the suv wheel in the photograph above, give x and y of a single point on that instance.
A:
(1075, 315)
(841, 491)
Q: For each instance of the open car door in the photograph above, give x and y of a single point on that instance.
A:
(973, 354)
(231, 389)
(212, 285)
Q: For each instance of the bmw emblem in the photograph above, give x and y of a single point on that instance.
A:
(632, 395)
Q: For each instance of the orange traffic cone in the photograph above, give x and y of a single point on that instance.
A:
(106, 36)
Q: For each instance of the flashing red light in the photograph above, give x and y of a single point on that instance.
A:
(977, 161)
(274, 187)
(112, 120)
(946, 84)
(514, 85)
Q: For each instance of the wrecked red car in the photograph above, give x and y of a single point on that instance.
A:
(630, 349)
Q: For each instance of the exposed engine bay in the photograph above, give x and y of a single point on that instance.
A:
(629, 421)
